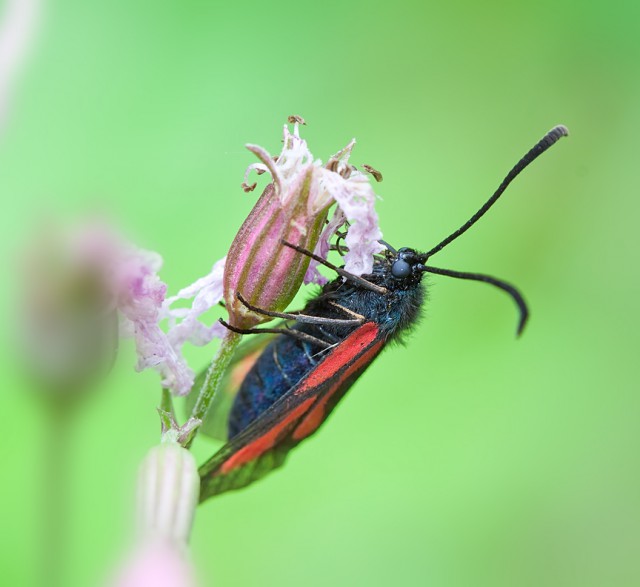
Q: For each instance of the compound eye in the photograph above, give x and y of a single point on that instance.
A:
(400, 269)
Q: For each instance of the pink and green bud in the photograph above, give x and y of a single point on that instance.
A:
(293, 209)
(265, 272)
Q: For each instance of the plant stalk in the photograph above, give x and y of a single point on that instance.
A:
(214, 375)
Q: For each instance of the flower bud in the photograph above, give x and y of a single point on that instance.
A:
(264, 271)
(293, 209)
(168, 489)
(68, 321)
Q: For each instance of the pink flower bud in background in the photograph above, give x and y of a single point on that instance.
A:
(75, 284)
(168, 490)
(68, 324)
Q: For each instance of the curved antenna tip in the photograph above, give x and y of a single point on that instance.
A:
(560, 129)
(546, 142)
(516, 296)
(522, 322)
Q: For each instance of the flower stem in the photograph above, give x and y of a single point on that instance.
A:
(213, 379)
(55, 494)
(166, 402)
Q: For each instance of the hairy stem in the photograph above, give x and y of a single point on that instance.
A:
(213, 379)
(166, 402)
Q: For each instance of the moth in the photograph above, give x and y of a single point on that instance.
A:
(282, 386)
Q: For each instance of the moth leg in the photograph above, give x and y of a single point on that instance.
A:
(304, 318)
(340, 307)
(303, 336)
(329, 336)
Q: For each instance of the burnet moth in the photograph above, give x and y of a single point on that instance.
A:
(285, 384)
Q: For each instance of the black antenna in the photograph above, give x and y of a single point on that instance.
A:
(348, 276)
(388, 246)
(555, 134)
(503, 285)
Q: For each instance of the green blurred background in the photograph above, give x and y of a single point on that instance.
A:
(467, 458)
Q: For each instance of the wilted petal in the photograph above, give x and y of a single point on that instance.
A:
(356, 198)
(155, 351)
(185, 324)
(289, 168)
(140, 295)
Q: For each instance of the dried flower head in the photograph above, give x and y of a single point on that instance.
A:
(293, 208)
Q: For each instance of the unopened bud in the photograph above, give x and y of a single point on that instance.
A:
(68, 325)
(259, 266)
(168, 490)
(293, 209)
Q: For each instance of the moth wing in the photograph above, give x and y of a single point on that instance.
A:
(263, 445)
(215, 424)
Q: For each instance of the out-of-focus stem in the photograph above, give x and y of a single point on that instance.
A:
(55, 492)
(213, 379)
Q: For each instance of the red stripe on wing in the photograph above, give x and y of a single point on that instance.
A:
(267, 441)
(343, 355)
(319, 412)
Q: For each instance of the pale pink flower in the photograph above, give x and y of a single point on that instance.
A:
(141, 295)
(184, 323)
(293, 208)
(131, 274)
(336, 182)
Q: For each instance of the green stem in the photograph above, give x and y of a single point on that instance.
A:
(55, 494)
(166, 402)
(213, 379)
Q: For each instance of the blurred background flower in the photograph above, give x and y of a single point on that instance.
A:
(19, 22)
(168, 487)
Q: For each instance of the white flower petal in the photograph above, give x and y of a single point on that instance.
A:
(349, 188)
(356, 198)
